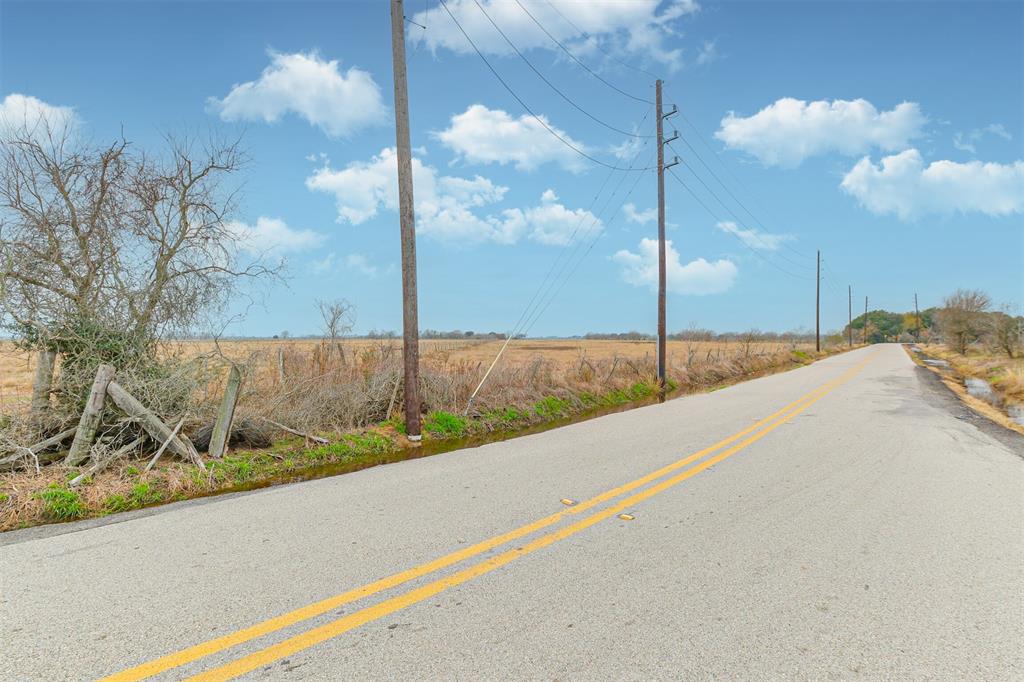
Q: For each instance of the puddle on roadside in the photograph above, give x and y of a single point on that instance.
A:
(977, 388)
(1016, 413)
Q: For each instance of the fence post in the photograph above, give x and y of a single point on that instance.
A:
(90, 421)
(226, 414)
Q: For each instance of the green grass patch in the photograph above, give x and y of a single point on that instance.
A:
(116, 503)
(143, 494)
(61, 504)
(4, 497)
(551, 407)
(442, 424)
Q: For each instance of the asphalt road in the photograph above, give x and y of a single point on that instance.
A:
(869, 531)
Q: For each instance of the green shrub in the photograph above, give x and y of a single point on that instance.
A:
(62, 504)
(445, 425)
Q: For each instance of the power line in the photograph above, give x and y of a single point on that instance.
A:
(525, 106)
(736, 199)
(551, 85)
(750, 232)
(748, 246)
(739, 182)
(597, 44)
(555, 286)
(527, 312)
(582, 258)
(580, 62)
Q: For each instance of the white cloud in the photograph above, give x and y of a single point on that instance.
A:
(966, 143)
(482, 135)
(447, 207)
(27, 113)
(639, 217)
(959, 143)
(623, 27)
(361, 264)
(754, 238)
(904, 186)
(698, 277)
(325, 264)
(315, 89)
(551, 222)
(273, 236)
(790, 130)
(708, 53)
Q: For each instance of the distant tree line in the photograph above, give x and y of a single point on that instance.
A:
(965, 319)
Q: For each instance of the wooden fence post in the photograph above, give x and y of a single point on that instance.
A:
(280, 366)
(43, 382)
(90, 421)
(226, 414)
(152, 424)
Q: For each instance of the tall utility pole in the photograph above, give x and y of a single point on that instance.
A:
(817, 307)
(865, 336)
(849, 314)
(410, 315)
(660, 117)
(917, 314)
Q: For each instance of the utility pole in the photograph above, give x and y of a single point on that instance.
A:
(817, 307)
(660, 117)
(917, 314)
(865, 336)
(849, 314)
(410, 316)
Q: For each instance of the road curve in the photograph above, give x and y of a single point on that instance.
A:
(840, 520)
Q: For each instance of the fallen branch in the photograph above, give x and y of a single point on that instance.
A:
(309, 436)
(152, 424)
(10, 461)
(102, 464)
(163, 447)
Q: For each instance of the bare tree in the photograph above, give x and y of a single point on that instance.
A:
(1007, 331)
(105, 250)
(339, 317)
(961, 318)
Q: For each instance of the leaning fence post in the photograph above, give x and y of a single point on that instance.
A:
(90, 421)
(225, 414)
(43, 382)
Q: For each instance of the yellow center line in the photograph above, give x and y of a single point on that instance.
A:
(344, 624)
(203, 649)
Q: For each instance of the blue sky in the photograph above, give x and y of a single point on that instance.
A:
(889, 135)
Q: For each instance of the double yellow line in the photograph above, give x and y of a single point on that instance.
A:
(731, 445)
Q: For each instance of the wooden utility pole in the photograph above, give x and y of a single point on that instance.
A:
(849, 314)
(917, 314)
(660, 116)
(661, 235)
(410, 316)
(865, 337)
(817, 307)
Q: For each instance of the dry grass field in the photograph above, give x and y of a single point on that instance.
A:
(261, 355)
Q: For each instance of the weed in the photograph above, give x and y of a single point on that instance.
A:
(116, 503)
(4, 497)
(445, 425)
(369, 443)
(143, 494)
(551, 406)
(61, 504)
(131, 471)
(642, 390)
